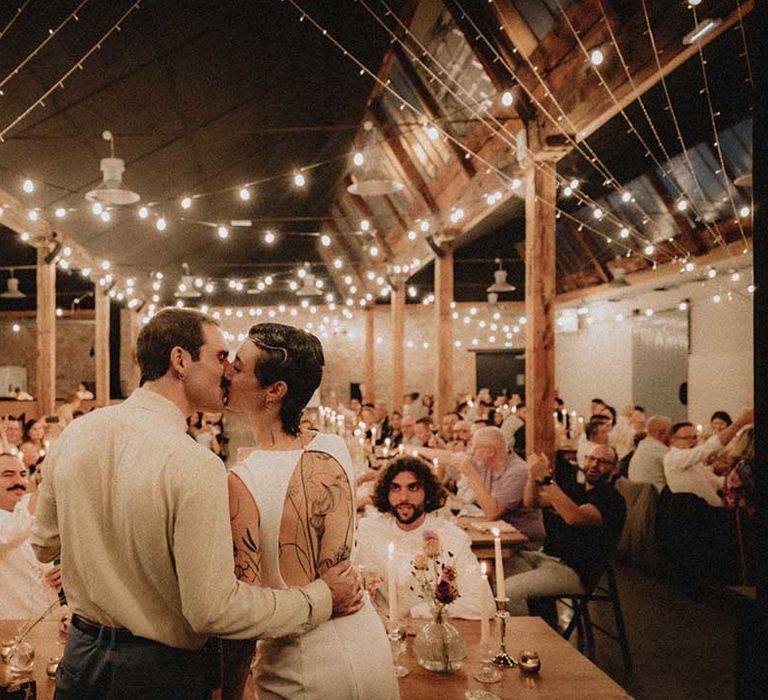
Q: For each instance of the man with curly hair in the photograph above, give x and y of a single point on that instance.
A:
(407, 495)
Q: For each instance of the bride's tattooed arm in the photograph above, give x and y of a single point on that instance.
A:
(317, 523)
(244, 521)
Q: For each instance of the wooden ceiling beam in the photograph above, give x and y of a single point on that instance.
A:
(394, 141)
(429, 105)
(600, 267)
(590, 104)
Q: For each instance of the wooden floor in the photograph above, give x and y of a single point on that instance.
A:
(681, 648)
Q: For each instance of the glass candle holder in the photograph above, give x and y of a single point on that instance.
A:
(529, 662)
(21, 657)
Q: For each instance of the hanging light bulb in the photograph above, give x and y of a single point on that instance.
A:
(186, 203)
(269, 237)
(507, 98)
(596, 57)
(97, 208)
(299, 180)
(143, 213)
(161, 224)
(325, 239)
(358, 159)
(245, 194)
(105, 216)
(222, 232)
(28, 186)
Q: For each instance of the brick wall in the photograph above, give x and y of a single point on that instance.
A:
(74, 340)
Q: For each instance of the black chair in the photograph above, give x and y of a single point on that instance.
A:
(582, 621)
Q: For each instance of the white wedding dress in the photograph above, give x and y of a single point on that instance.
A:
(345, 657)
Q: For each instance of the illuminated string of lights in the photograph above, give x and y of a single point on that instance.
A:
(567, 186)
(40, 102)
(11, 21)
(591, 156)
(684, 200)
(51, 34)
(386, 86)
(718, 149)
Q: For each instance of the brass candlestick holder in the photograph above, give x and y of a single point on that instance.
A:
(502, 658)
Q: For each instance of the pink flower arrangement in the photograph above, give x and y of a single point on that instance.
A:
(436, 580)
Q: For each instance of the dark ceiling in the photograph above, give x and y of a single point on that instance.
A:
(203, 97)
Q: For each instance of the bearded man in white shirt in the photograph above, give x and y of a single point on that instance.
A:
(407, 495)
(139, 513)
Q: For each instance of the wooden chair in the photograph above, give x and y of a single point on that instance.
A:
(582, 621)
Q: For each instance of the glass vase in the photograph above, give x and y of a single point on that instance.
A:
(439, 646)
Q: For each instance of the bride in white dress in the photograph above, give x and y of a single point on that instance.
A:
(293, 516)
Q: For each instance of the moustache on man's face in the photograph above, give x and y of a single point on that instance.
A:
(18, 487)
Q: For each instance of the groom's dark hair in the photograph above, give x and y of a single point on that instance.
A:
(293, 356)
(167, 329)
(434, 493)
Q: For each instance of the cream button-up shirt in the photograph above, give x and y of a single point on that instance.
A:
(139, 514)
(689, 471)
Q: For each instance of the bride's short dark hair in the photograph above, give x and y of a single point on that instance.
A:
(293, 356)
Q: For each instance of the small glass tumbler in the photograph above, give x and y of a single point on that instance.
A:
(21, 657)
(529, 662)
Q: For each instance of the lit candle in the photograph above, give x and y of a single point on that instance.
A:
(485, 633)
(387, 442)
(499, 564)
(435, 464)
(385, 452)
(391, 584)
(373, 435)
(401, 449)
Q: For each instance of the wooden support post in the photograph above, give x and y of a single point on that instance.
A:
(370, 342)
(397, 302)
(444, 332)
(130, 375)
(46, 335)
(540, 199)
(101, 346)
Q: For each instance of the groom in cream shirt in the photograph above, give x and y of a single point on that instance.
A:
(138, 513)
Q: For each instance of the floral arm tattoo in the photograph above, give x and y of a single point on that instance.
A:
(319, 509)
(245, 543)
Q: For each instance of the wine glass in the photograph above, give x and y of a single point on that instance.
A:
(396, 633)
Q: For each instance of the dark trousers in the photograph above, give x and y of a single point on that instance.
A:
(107, 665)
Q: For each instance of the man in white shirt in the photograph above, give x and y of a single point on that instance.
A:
(647, 463)
(23, 593)
(139, 514)
(688, 466)
(406, 495)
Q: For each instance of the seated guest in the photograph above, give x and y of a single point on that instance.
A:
(383, 428)
(406, 495)
(595, 433)
(562, 416)
(396, 428)
(12, 432)
(462, 434)
(408, 429)
(422, 429)
(688, 466)
(84, 393)
(446, 426)
(596, 407)
(583, 528)
(66, 410)
(497, 478)
(518, 439)
(512, 423)
(719, 421)
(33, 446)
(628, 424)
(25, 591)
(647, 463)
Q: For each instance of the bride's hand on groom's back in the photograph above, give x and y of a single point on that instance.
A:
(346, 589)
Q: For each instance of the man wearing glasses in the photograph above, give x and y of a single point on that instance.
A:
(688, 465)
(583, 523)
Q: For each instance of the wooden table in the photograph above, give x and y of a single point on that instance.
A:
(482, 542)
(47, 642)
(564, 674)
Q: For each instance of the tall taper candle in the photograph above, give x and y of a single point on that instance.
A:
(499, 564)
(391, 585)
(485, 613)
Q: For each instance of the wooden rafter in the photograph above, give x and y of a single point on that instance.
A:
(393, 141)
(429, 105)
(600, 267)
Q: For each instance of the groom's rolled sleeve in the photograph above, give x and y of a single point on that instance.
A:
(213, 601)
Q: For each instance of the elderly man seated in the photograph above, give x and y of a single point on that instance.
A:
(495, 477)
(647, 463)
(406, 495)
(582, 532)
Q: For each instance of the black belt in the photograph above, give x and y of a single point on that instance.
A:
(118, 634)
